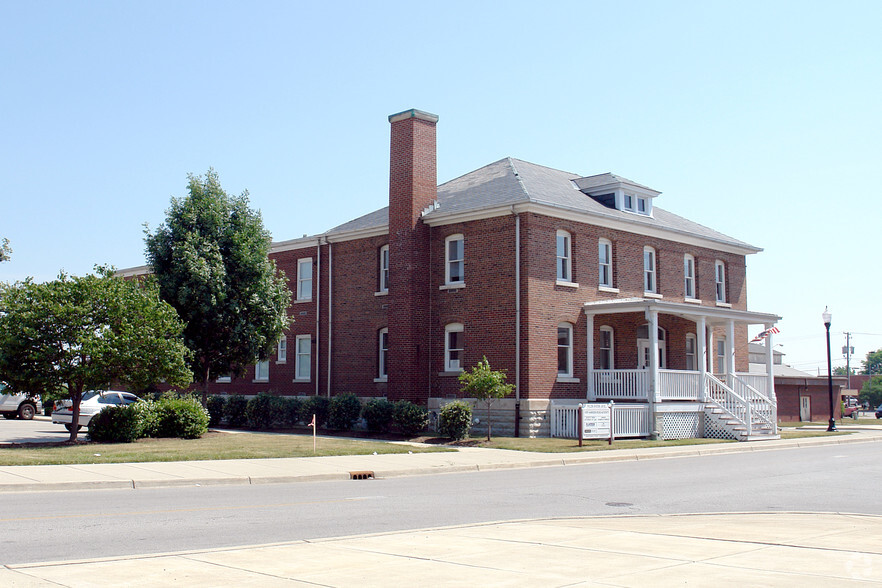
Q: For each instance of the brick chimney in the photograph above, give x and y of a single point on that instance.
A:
(413, 185)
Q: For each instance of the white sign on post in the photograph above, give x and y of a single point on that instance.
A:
(595, 421)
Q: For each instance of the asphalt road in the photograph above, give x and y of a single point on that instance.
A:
(47, 526)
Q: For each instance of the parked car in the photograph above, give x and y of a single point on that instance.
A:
(879, 412)
(851, 411)
(91, 404)
(23, 406)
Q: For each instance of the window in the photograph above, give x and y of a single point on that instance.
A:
(606, 349)
(223, 379)
(261, 371)
(282, 351)
(604, 250)
(564, 261)
(303, 351)
(565, 350)
(691, 364)
(383, 359)
(628, 202)
(720, 279)
(454, 260)
(454, 345)
(688, 276)
(384, 268)
(304, 279)
(649, 273)
(721, 355)
(641, 206)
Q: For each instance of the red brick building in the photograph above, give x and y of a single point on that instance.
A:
(564, 281)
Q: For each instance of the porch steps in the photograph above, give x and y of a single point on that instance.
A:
(735, 427)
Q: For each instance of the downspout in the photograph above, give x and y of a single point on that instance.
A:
(517, 427)
(330, 308)
(318, 311)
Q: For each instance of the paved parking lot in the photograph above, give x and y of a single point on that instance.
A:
(40, 429)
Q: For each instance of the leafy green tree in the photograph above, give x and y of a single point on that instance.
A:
(83, 333)
(210, 259)
(873, 363)
(872, 391)
(5, 250)
(841, 371)
(486, 385)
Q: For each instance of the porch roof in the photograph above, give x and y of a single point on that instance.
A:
(712, 314)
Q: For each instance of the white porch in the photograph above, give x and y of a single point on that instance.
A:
(738, 405)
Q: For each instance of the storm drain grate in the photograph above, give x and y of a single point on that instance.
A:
(366, 475)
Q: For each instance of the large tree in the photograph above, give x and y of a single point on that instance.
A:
(873, 363)
(5, 249)
(210, 258)
(83, 333)
(872, 392)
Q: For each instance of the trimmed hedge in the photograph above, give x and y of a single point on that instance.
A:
(377, 414)
(409, 418)
(262, 411)
(234, 411)
(168, 417)
(315, 405)
(115, 424)
(343, 411)
(185, 418)
(455, 420)
(216, 405)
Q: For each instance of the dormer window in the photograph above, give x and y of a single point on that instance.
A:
(628, 203)
(641, 206)
(619, 193)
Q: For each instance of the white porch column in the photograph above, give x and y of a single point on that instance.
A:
(591, 394)
(770, 362)
(730, 353)
(701, 360)
(653, 355)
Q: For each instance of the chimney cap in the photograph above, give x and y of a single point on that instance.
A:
(413, 113)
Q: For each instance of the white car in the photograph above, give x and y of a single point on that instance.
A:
(19, 405)
(92, 403)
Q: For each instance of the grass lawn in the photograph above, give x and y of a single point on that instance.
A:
(211, 446)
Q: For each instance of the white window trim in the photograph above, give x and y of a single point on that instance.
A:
(694, 339)
(282, 350)
(601, 244)
(688, 276)
(563, 264)
(566, 376)
(452, 328)
(223, 379)
(382, 352)
(257, 376)
(625, 204)
(298, 375)
(448, 261)
(384, 271)
(720, 342)
(720, 281)
(300, 279)
(650, 273)
(612, 345)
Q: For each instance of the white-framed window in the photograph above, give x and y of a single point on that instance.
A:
(383, 354)
(721, 363)
(454, 346)
(282, 350)
(261, 371)
(224, 379)
(564, 257)
(454, 259)
(604, 254)
(303, 353)
(720, 280)
(384, 268)
(642, 206)
(691, 346)
(650, 283)
(688, 276)
(606, 347)
(565, 350)
(628, 202)
(304, 279)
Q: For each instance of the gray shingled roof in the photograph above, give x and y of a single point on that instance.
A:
(512, 181)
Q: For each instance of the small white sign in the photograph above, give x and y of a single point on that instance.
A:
(595, 421)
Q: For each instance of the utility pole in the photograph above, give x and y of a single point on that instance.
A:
(847, 351)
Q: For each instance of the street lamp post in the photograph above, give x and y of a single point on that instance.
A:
(827, 320)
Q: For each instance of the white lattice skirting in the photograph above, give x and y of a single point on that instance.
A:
(679, 425)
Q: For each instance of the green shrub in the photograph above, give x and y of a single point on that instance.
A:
(115, 424)
(315, 405)
(234, 410)
(343, 411)
(455, 420)
(148, 418)
(262, 411)
(378, 414)
(216, 405)
(290, 409)
(409, 418)
(184, 418)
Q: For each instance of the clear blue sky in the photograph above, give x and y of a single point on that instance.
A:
(759, 119)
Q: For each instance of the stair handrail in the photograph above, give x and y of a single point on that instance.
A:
(765, 402)
(731, 399)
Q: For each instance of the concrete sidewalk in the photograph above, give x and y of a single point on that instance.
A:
(747, 549)
(308, 469)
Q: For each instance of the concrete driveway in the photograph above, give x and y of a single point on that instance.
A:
(39, 430)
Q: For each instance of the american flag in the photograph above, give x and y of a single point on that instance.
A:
(764, 334)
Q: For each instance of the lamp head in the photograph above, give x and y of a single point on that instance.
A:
(827, 316)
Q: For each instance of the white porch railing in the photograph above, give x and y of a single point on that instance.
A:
(621, 384)
(679, 385)
(759, 382)
(762, 408)
(629, 420)
(744, 403)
